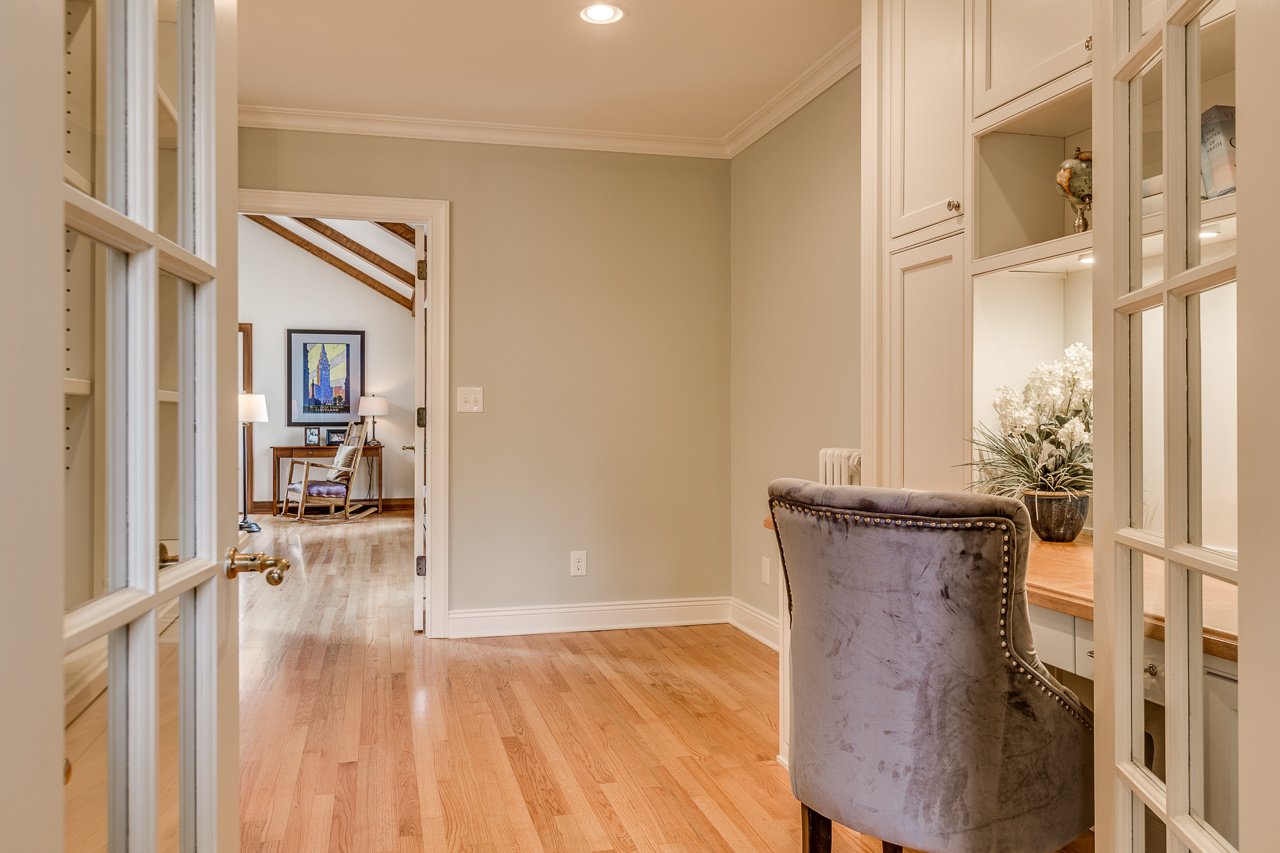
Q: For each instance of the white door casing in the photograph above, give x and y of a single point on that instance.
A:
(31, 583)
(431, 380)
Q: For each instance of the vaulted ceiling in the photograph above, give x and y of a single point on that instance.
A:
(674, 76)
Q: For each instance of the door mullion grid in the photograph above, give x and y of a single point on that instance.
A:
(143, 286)
(200, 191)
(127, 223)
(1117, 20)
(1177, 641)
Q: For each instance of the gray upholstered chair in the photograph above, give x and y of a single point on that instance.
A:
(920, 713)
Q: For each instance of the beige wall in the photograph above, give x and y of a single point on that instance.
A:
(590, 300)
(794, 344)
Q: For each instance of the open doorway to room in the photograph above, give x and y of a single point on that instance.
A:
(343, 308)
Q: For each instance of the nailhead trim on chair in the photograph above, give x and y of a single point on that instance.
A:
(1015, 662)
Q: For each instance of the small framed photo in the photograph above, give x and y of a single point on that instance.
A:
(334, 436)
(312, 436)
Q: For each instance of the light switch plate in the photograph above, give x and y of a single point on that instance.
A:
(470, 399)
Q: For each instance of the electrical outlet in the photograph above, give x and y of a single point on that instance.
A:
(765, 571)
(577, 563)
(470, 399)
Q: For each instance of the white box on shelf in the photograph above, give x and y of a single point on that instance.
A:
(1218, 151)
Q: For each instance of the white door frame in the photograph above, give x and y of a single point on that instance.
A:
(435, 215)
(31, 583)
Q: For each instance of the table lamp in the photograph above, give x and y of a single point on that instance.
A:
(372, 407)
(253, 410)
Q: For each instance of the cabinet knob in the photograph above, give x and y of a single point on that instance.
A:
(953, 205)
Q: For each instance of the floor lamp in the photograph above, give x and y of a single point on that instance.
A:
(253, 410)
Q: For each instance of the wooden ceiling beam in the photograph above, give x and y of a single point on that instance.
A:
(401, 230)
(359, 249)
(334, 261)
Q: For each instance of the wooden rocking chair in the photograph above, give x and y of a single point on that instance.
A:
(330, 485)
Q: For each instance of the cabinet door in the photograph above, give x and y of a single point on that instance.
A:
(927, 358)
(1019, 45)
(926, 105)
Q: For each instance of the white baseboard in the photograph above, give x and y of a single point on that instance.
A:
(601, 616)
(755, 623)
(614, 616)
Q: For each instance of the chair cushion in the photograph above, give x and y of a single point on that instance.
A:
(321, 489)
(344, 458)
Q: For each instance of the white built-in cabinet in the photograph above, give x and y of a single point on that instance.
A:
(1019, 45)
(927, 408)
(973, 274)
(926, 104)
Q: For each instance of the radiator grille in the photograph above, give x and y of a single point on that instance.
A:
(839, 466)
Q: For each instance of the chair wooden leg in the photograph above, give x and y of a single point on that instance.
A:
(890, 847)
(815, 831)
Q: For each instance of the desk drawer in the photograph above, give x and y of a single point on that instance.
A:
(1152, 661)
(1055, 637)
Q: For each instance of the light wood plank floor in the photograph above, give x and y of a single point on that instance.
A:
(358, 735)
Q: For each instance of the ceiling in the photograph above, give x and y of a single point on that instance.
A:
(674, 76)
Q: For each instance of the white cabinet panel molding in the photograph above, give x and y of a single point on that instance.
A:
(926, 113)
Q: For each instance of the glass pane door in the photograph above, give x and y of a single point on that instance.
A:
(138, 413)
(1172, 290)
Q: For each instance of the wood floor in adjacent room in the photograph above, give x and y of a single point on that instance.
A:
(359, 735)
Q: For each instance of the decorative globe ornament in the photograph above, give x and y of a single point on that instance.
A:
(1075, 184)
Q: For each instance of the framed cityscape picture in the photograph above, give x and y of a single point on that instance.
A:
(326, 376)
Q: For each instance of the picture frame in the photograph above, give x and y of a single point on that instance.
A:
(333, 437)
(311, 436)
(325, 376)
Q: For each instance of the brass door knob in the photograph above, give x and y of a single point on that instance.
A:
(271, 568)
(407, 447)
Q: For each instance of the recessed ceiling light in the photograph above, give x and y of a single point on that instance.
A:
(1086, 259)
(602, 13)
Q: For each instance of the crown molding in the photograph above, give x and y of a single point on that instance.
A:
(822, 75)
(362, 124)
(837, 62)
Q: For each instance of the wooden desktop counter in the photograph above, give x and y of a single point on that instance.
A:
(1060, 578)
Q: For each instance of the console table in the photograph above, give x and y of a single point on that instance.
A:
(372, 453)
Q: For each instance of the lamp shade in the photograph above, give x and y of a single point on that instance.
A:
(375, 406)
(253, 408)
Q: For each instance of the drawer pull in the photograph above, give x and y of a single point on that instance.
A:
(1150, 669)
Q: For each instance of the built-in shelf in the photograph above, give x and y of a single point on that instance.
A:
(1015, 163)
(1063, 249)
(1212, 211)
(76, 387)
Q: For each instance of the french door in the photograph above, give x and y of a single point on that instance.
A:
(1176, 388)
(131, 470)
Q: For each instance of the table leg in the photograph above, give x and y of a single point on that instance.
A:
(276, 509)
(379, 483)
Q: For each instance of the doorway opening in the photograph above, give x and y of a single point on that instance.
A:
(346, 298)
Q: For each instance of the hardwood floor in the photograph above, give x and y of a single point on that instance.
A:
(358, 735)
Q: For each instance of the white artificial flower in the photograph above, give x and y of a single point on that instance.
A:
(1073, 433)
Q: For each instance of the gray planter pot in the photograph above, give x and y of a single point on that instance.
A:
(1056, 516)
